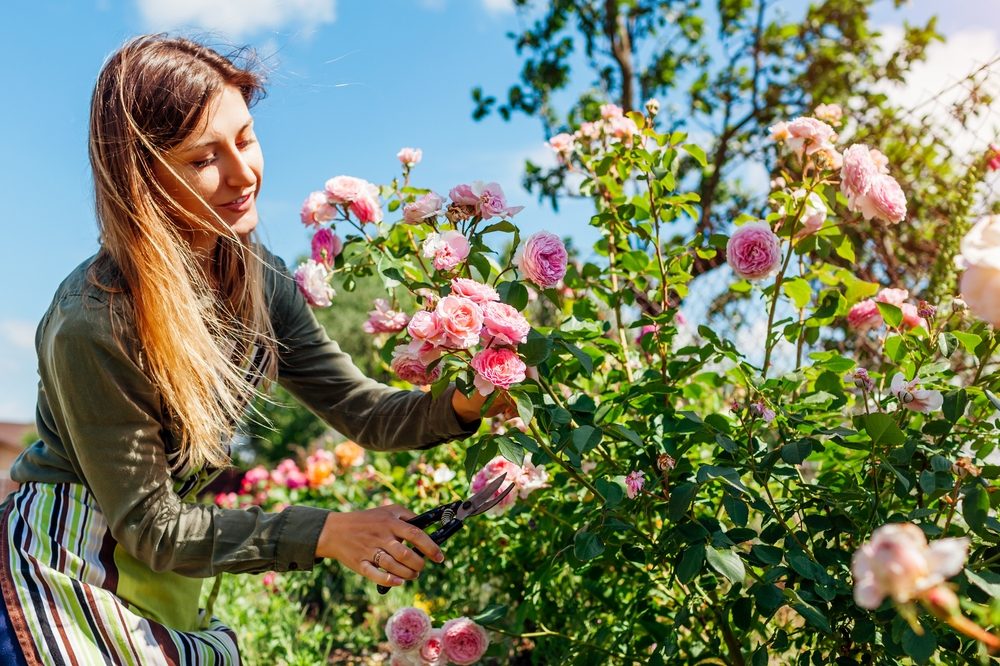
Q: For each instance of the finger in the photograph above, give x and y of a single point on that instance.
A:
(406, 556)
(420, 539)
(392, 565)
(368, 570)
(401, 512)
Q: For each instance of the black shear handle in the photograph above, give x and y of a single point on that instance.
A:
(438, 536)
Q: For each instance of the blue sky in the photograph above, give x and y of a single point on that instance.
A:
(352, 81)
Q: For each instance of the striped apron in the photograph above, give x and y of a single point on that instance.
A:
(74, 596)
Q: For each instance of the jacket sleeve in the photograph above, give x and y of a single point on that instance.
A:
(320, 375)
(109, 417)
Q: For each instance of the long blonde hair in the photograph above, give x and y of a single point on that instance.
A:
(195, 338)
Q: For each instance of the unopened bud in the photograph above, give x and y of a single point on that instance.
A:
(958, 305)
(652, 106)
(665, 462)
(925, 310)
(778, 183)
(942, 601)
(963, 468)
(863, 381)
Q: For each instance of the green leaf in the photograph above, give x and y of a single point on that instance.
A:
(736, 509)
(919, 646)
(728, 563)
(624, 433)
(696, 152)
(505, 225)
(586, 362)
(535, 350)
(947, 343)
(798, 290)
(883, 430)
(954, 405)
(491, 614)
(992, 589)
(510, 450)
(976, 507)
(513, 294)
(586, 546)
(525, 409)
(969, 340)
(794, 453)
(813, 616)
(680, 500)
(612, 492)
(892, 315)
(894, 348)
(690, 564)
(586, 438)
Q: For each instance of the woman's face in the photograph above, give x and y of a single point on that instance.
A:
(222, 163)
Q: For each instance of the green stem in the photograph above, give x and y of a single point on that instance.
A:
(562, 463)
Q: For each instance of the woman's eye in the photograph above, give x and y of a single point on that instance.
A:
(242, 145)
(201, 164)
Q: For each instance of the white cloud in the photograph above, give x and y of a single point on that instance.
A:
(498, 6)
(236, 18)
(932, 87)
(17, 334)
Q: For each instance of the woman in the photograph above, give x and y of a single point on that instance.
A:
(148, 356)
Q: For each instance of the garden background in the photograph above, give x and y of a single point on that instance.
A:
(408, 81)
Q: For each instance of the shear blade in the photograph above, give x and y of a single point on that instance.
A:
(484, 499)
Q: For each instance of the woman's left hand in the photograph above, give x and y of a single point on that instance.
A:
(470, 409)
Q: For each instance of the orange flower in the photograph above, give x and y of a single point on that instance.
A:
(349, 454)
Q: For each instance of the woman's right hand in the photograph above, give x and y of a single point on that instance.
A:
(353, 538)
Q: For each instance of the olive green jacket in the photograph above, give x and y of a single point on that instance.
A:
(101, 422)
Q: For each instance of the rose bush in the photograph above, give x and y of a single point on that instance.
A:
(681, 498)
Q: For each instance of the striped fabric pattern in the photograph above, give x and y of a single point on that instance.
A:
(59, 582)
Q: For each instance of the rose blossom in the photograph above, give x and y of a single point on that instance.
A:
(806, 135)
(288, 474)
(494, 468)
(911, 397)
(562, 144)
(899, 564)
(227, 500)
(485, 199)
(319, 467)
(464, 641)
(476, 291)
(588, 132)
(861, 166)
(779, 132)
(762, 411)
(504, 324)
(754, 251)
(446, 250)
(623, 127)
(426, 206)
(326, 245)
(892, 296)
(408, 628)
(814, 211)
(911, 317)
(980, 256)
(542, 258)
(432, 651)
(993, 158)
(349, 454)
(863, 380)
(497, 368)
(609, 111)
(425, 326)
(345, 189)
(461, 321)
(411, 366)
(383, 319)
(409, 157)
(367, 207)
(316, 209)
(830, 113)
(312, 279)
(634, 483)
(884, 200)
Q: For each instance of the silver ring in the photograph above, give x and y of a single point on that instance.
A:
(378, 556)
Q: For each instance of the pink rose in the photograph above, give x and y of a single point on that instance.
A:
(913, 398)
(408, 628)
(410, 364)
(288, 474)
(312, 279)
(432, 651)
(255, 476)
(367, 208)
(898, 563)
(227, 500)
(562, 144)
(813, 213)
(587, 132)
(426, 206)
(808, 135)
(622, 127)
(993, 157)
(326, 245)
(609, 111)
(497, 368)
(980, 286)
(486, 199)
(634, 483)
(892, 296)
(270, 581)
(884, 200)
(464, 641)
(778, 132)
(345, 189)
(317, 209)
(542, 259)
(409, 157)
(861, 166)
(425, 326)
(384, 319)
(461, 319)
(526, 479)
(446, 250)
(830, 113)
(864, 315)
(504, 324)
(911, 317)
(754, 251)
(476, 291)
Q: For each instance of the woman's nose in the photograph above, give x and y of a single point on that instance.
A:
(240, 174)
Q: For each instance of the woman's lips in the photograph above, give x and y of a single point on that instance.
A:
(239, 205)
